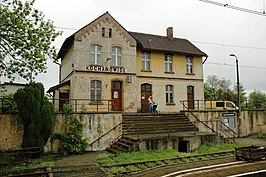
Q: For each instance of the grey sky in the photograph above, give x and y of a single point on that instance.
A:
(214, 29)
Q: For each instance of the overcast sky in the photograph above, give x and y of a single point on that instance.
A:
(216, 30)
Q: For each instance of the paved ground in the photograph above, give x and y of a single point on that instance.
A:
(86, 164)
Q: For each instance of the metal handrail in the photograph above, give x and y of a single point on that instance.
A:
(105, 134)
(120, 135)
(197, 117)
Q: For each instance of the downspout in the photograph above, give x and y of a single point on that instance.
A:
(59, 70)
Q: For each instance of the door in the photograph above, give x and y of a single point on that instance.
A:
(146, 91)
(190, 97)
(63, 99)
(116, 96)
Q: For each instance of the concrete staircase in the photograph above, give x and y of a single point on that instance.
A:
(148, 124)
(156, 124)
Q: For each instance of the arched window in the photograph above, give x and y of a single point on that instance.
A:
(96, 91)
(96, 55)
(169, 90)
(116, 56)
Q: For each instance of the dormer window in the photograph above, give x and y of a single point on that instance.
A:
(110, 32)
(103, 32)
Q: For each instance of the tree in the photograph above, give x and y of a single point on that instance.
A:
(257, 99)
(220, 88)
(25, 40)
(216, 88)
(36, 113)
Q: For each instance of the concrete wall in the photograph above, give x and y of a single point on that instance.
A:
(11, 131)
(192, 142)
(250, 121)
(94, 125)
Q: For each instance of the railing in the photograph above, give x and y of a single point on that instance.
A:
(205, 123)
(103, 135)
(85, 105)
(8, 105)
(197, 119)
(245, 105)
(221, 128)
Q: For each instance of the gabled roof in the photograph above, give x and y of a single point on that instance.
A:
(56, 87)
(83, 31)
(163, 43)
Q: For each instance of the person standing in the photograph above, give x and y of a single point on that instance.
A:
(150, 104)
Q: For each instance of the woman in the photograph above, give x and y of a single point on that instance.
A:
(150, 104)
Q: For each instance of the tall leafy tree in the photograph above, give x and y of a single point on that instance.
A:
(25, 39)
(36, 113)
(257, 99)
(216, 88)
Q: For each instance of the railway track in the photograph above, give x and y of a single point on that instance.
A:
(139, 167)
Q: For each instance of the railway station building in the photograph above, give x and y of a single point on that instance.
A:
(104, 67)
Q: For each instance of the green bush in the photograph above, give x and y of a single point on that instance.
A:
(8, 104)
(71, 142)
(36, 113)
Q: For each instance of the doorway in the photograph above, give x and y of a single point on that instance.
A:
(183, 146)
(146, 91)
(63, 99)
(190, 97)
(116, 95)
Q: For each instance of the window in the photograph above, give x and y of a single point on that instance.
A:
(189, 65)
(116, 56)
(103, 32)
(168, 60)
(110, 32)
(96, 55)
(96, 91)
(169, 94)
(146, 61)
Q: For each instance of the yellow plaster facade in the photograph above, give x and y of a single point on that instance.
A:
(76, 67)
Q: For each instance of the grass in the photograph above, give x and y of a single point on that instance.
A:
(262, 136)
(29, 165)
(139, 156)
(147, 155)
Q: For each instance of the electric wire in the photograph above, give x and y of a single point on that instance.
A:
(235, 7)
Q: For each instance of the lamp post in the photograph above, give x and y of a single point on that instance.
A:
(237, 83)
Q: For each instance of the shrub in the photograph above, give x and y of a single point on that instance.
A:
(36, 113)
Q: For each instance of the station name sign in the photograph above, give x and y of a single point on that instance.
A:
(113, 69)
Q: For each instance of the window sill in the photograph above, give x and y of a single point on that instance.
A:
(169, 104)
(191, 74)
(95, 103)
(169, 72)
(146, 71)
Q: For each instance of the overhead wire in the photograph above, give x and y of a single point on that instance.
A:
(235, 7)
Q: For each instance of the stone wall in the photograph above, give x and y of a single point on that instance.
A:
(95, 125)
(250, 121)
(11, 131)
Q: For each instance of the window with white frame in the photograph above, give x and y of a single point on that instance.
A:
(146, 61)
(96, 91)
(189, 65)
(168, 60)
(96, 55)
(169, 94)
(116, 56)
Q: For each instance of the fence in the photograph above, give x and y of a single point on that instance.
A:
(8, 105)
(201, 105)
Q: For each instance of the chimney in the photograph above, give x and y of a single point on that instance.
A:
(169, 32)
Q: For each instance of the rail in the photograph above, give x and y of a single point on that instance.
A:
(152, 164)
(200, 105)
(100, 137)
(197, 119)
(222, 128)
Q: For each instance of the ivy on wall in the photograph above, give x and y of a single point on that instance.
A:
(71, 142)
